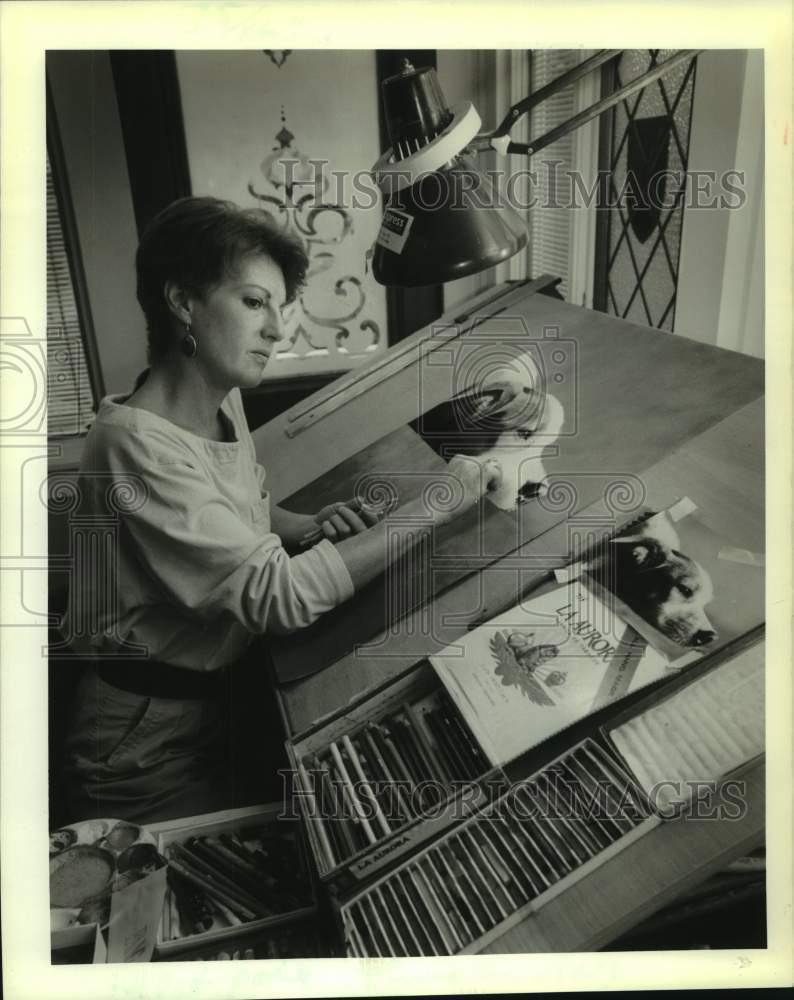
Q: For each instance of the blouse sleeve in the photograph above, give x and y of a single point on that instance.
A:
(210, 562)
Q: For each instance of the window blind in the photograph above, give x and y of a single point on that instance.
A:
(550, 220)
(70, 397)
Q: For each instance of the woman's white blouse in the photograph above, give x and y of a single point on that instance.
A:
(173, 555)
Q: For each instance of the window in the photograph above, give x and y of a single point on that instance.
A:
(562, 222)
(70, 393)
(551, 226)
(649, 139)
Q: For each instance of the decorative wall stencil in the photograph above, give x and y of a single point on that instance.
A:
(278, 56)
(259, 130)
(287, 172)
(650, 135)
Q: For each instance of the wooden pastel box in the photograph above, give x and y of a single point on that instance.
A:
(491, 871)
(625, 789)
(393, 770)
(244, 826)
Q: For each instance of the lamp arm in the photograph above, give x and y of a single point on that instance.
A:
(526, 104)
(501, 142)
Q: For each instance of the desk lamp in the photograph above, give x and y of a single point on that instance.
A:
(442, 218)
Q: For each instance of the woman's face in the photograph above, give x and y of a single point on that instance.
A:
(238, 323)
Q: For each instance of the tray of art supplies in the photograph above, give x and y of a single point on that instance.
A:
(91, 860)
(108, 874)
(301, 939)
(499, 866)
(387, 774)
(231, 873)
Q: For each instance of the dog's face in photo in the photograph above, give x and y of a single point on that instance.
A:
(505, 416)
(663, 585)
(503, 400)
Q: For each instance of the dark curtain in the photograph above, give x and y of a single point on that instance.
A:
(150, 109)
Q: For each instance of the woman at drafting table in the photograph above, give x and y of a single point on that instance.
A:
(201, 560)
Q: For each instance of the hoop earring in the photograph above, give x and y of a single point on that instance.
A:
(189, 343)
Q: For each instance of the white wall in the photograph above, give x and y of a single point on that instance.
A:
(741, 321)
(721, 269)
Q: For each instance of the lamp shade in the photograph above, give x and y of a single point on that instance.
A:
(447, 225)
(442, 219)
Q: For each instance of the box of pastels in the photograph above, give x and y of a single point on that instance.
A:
(385, 775)
(231, 873)
(505, 862)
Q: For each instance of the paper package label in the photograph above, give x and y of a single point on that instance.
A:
(454, 810)
(394, 230)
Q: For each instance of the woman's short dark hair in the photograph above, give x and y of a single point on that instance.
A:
(197, 242)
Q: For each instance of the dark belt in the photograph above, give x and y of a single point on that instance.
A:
(153, 679)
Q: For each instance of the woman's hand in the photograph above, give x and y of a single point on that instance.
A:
(368, 557)
(339, 521)
(475, 478)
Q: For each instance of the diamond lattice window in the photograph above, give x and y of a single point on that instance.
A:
(648, 163)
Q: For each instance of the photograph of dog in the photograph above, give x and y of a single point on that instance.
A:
(503, 415)
(646, 569)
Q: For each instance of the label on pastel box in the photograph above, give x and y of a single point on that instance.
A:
(455, 810)
(394, 230)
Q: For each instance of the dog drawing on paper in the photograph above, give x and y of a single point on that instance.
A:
(647, 571)
(506, 417)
